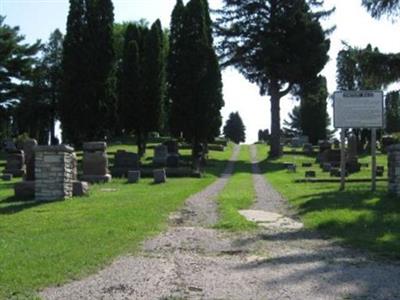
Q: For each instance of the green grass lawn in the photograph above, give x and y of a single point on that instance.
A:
(43, 244)
(238, 194)
(355, 216)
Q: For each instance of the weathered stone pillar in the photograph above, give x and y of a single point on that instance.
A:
(394, 169)
(95, 162)
(53, 172)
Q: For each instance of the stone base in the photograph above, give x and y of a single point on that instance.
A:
(80, 188)
(159, 176)
(24, 189)
(120, 172)
(15, 172)
(97, 178)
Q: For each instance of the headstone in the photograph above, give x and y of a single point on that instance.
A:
(335, 172)
(80, 188)
(380, 170)
(306, 165)
(394, 169)
(7, 177)
(308, 148)
(133, 176)
(299, 141)
(172, 146)
(29, 146)
(160, 155)
(336, 144)
(326, 167)
(15, 163)
(124, 162)
(53, 172)
(9, 145)
(352, 164)
(291, 168)
(159, 176)
(24, 189)
(324, 145)
(95, 162)
(310, 174)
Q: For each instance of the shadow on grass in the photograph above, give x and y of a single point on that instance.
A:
(17, 205)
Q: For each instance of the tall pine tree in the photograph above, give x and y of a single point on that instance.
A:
(196, 86)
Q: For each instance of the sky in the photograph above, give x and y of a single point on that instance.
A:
(38, 18)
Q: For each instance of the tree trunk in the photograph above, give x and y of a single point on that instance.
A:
(139, 143)
(275, 122)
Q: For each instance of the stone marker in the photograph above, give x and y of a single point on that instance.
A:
(172, 146)
(133, 176)
(335, 172)
(124, 162)
(95, 162)
(380, 170)
(310, 174)
(352, 164)
(394, 169)
(326, 167)
(292, 168)
(80, 188)
(159, 176)
(7, 177)
(24, 189)
(53, 172)
(29, 146)
(15, 163)
(306, 165)
(160, 155)
(308, 148)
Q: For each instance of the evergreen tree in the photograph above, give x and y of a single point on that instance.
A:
(100, 56)
(275, 44)
(234, 128)
(196, 85)
(292, 126)
(314, 118)
(392, 112)
(154, 76)
(52, 64)
(377, 8)
(73, 108)
(16, 61)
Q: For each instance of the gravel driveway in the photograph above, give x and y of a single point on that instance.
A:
(193, 261)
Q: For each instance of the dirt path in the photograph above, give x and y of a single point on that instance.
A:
(193, 261)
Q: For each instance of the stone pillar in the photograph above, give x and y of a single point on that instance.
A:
(53, 172)
(394, 169)
(29, 146)
(95, 162)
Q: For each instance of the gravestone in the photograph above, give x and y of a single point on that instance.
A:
(336, 144)
(326, 167)
(159, 176)
(308, 148)
(306, 165)
(80, 188)
(324, 145)
(310, 174)
(15, 163)
(124, 162)
(380, 170)
(7, 177)
(29, 146)
(53, 172)
(352, 164)
(299, 141)
(95, 162)
(394, 169)
(160, 155)
(335, 172)
(133, 176)
(291, 168)
(172, 147)
(9, 145)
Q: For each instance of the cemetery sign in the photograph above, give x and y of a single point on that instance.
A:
(358, 109)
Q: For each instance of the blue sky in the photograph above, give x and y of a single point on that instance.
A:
(38, 18)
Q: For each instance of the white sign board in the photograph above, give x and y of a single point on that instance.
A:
(358, 109)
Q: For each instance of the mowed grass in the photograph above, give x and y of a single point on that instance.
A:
(356, 216)
(44, 244)
(237, 194)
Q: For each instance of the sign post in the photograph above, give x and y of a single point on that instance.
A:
(358, 109)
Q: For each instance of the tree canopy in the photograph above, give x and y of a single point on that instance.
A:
(275, 44)
(234, 128)
(378, 8)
